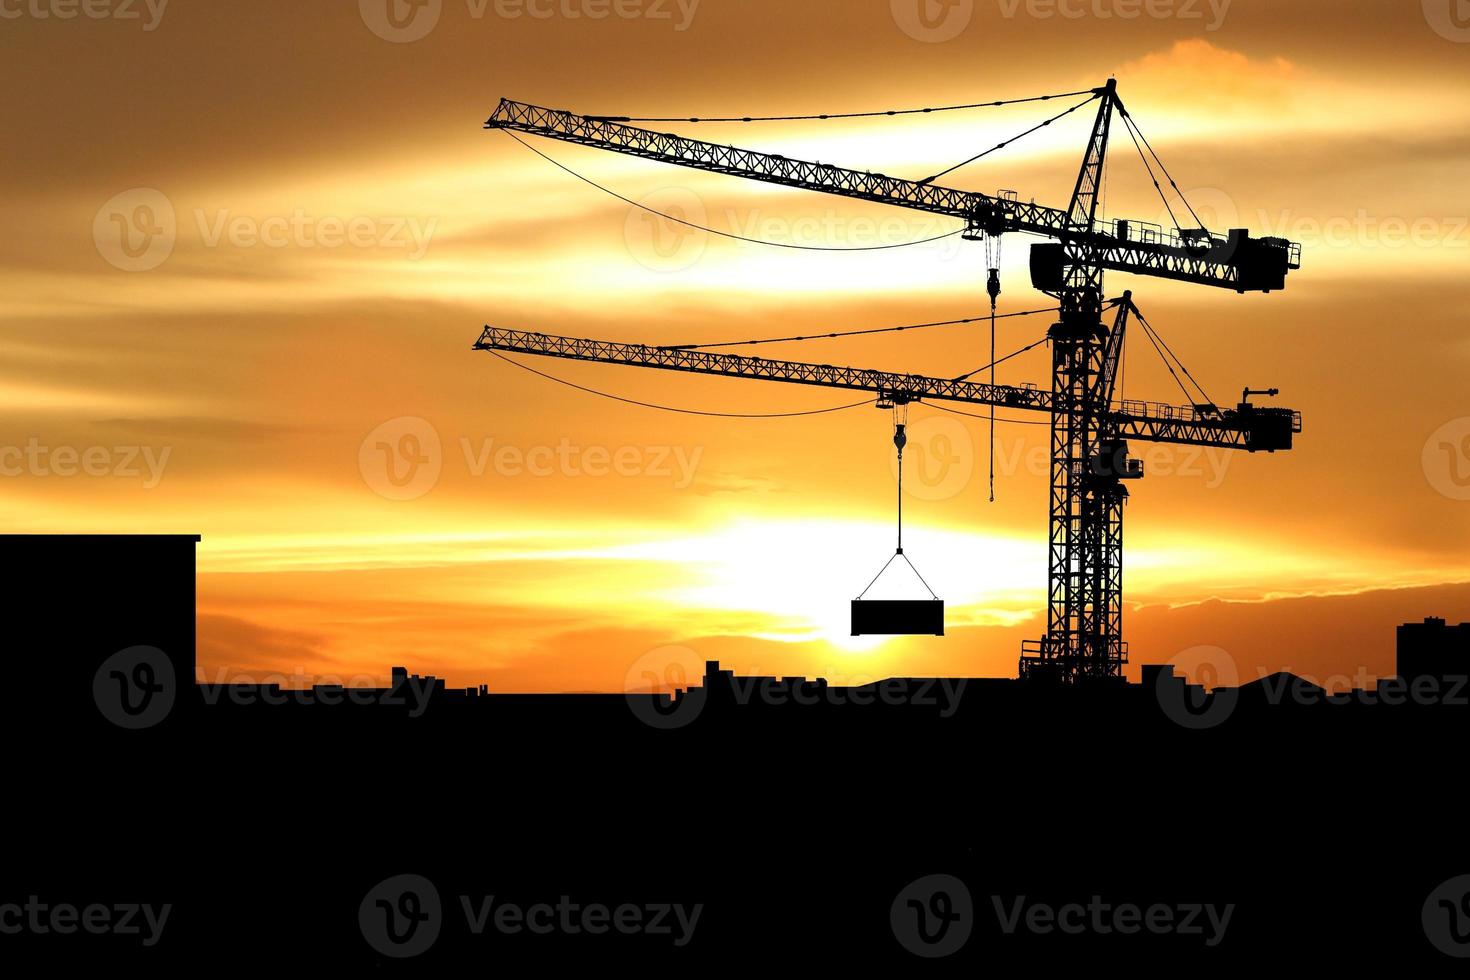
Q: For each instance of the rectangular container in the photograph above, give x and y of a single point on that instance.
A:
(897, 617)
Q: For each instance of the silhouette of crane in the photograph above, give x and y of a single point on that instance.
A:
(1090, 429)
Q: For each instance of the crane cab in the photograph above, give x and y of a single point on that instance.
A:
(1266, 429)
(1112, 462)
(1261, 263)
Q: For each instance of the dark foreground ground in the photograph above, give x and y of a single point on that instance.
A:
(1003, 826)
(793, 830)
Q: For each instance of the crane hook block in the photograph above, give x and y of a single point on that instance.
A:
(992, 286)
(900, 438)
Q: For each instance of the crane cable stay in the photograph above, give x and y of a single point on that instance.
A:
(1137, 134)
(839, 115)
(856, 333)
(726, 234)
(1005, 143)
(992, 244)
(761, 415)
(682, 411)
(821, 248)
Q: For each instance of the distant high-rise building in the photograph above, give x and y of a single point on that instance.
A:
(1434, 649)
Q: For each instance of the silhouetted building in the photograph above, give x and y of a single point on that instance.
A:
(1433, 649)
(1161, 678)
(102, 628)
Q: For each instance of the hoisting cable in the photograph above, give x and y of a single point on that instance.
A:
(992, 289)
(834, 115)
(682, 411)
(716, 231)
(851, 333)
(900, 439)
(1004, 144)
(992, 404)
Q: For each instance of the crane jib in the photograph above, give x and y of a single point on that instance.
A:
(1235, 261)
(1247, 427)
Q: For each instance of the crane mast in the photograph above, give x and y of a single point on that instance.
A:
(1084, 623)
(1090, 465)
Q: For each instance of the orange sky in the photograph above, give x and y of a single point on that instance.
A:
(332, 227)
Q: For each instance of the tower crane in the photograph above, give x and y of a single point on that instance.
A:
(1090, 428)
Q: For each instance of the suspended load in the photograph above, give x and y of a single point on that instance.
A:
(898, 617)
